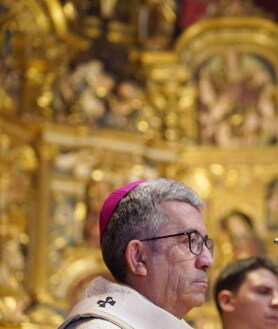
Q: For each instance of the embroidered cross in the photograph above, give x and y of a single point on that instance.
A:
(109, 300)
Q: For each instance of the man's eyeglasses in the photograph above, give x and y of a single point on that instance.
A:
(196, 241)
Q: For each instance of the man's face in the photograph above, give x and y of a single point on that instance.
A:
(178, 275)
(256, 302)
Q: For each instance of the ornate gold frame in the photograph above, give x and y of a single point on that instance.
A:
(227, 178)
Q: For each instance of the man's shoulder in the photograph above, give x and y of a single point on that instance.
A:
(91, 323)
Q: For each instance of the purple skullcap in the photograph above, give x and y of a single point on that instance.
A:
(111, 203)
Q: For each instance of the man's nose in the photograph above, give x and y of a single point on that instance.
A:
(205, 258)
(274, 299)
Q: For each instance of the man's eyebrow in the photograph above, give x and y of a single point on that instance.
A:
(265, 286)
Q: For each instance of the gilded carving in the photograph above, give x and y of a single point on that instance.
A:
(89, 102)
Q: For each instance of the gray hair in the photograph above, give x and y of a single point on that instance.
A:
(139, 215)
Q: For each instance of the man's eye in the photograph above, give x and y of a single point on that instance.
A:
(264, 290)
(193, 239)
(185, 240)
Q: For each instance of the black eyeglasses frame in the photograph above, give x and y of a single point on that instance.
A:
(208, 242)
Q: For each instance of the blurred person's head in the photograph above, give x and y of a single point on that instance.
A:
(246, 294)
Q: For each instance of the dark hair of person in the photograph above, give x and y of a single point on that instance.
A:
(233, 275)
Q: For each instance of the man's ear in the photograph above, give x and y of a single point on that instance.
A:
(135, 255)
(226, 300)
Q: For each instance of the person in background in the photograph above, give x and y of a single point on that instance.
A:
(155, 244)
(246, 294)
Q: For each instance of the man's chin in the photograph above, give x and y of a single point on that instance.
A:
(197, 302)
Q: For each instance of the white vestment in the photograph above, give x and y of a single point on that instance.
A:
(108, 305)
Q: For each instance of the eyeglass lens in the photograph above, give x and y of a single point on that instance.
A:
(196, 243)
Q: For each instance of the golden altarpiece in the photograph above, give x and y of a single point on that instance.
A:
(204, 112)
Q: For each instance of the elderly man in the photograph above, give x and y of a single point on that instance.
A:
(246, 294)
(155, 244)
